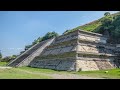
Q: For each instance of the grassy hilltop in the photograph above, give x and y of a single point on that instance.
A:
(93, 25)
(109, 23)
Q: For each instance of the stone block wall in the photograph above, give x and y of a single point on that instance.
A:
(96, 48)
(83, 65)
(56, 64)
(90, 65)
(92, 37)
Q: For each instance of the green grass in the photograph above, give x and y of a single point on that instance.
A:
(37, 73)
(92, 26)
(3, 63)
(112, 74)
(38, 70)
(20, 73)
(89, 27)
(14, 73)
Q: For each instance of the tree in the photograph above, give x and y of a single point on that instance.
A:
(13, 56)
(107, 24)
(106, 14)
(39, 39)
(116, 31)
(27, 47)
(0, 56)
(6, 59)
(49, 35)
(22, 52)
(9, 58)
(34, 42)
(66, 31)
(110, 27)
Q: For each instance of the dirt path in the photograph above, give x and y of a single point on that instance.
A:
(71, 76)
(4, 67)
(62, 76)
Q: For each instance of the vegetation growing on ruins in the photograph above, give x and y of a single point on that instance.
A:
(107, 25)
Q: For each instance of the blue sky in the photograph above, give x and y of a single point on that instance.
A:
(20, 28)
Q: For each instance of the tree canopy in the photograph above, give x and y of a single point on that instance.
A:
(106, 14)
(39, 39)
(8, 58)
(110, 24)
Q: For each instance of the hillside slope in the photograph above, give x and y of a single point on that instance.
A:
(109, 23)
(94, 24)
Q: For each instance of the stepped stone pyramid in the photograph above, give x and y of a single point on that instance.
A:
(76, 51)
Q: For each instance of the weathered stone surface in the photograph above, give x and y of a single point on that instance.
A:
(57, 64)
(95, 49)
(89, 65)
(83, 65)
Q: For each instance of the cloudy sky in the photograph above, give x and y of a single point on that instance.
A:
(20, 28)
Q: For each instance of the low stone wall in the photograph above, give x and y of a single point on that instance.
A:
(66, 37)
(96, 48)
(56, 64)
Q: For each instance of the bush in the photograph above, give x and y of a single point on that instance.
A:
(8, 58)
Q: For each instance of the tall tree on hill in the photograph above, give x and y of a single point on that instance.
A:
(106, 14)
(49, 35)
(116, 31)
(106, 26)
(110, 27)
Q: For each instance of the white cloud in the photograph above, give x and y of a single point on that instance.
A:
(14, 48)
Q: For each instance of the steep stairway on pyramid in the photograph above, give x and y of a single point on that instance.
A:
(25, 58)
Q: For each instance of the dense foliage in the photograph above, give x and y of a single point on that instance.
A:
(110, 27)
(8, 58)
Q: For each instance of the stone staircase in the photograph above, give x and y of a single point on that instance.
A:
(25, 58)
